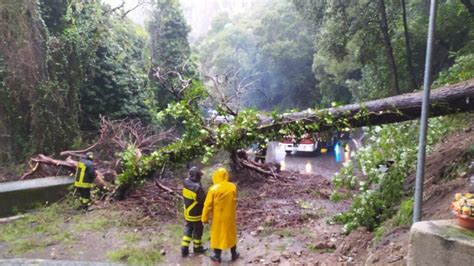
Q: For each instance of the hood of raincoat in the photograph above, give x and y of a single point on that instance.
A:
(220, 175)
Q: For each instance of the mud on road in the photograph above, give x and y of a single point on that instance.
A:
(280, 222)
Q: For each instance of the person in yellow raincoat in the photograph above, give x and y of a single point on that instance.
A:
(221, 206)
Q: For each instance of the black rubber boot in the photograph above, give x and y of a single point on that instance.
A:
(200, 250)
(214, 258)
(235, 256)
(184, 252)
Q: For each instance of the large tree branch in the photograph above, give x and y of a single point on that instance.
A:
(443, 101)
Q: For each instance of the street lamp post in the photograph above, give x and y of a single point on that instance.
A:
(420, 168)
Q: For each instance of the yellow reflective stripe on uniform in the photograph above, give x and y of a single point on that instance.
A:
(81, 166)
(186, 241)
(188, 209)
(192, 218)
(83, 185)
(189, 194)
(80, 183)
(197, 241)
(84, 200)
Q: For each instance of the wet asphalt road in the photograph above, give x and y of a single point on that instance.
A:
(325, 164)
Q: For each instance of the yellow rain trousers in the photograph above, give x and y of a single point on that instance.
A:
(221, 205)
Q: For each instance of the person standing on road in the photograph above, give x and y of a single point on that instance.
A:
(193, 202)
(221, 206)
(84, 180)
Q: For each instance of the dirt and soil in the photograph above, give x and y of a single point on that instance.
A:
(280, 222)
(283, 221)
(448, 167)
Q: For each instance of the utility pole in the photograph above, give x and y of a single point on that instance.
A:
(420, 168)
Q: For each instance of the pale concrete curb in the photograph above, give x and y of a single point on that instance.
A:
(440, 243)
(39, 262)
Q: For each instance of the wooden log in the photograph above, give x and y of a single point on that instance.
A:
(447, 100)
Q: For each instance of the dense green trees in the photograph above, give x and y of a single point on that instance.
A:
(271, 42)
(114, 66)
(64, 63)
(170, 49)
(35, 100)
(359, 50)
(376, 48)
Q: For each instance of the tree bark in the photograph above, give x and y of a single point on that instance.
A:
(443, 101)
(409, 54)
(392, 66)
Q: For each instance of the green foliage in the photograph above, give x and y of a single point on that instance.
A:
(86, 62)
(381, 191)
(463, 69)
(37, 230)
(132, 237)
(271, 42)
(118, 86)
(136, 255)
(350, 59)
(170, 49)
(404, 214)
(110, 54)
(132, 167)
(337, 196)
(38, 114)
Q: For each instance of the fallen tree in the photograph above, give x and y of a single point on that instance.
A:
(447, 100)
(203, 140)
(114, 137)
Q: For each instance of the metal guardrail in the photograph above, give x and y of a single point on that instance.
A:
(20, 196)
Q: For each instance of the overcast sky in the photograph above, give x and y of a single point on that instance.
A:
(198, 13)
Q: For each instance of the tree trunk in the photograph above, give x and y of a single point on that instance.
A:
(388, 48)
(443, 101)
(409, 54)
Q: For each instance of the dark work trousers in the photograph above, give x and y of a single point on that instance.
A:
(192, 231)
(84, 196)
(233, 251)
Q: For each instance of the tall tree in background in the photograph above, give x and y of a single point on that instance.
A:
(112, 53)
(392, 65)
(64, 62)
(274, 46)
(409, 53)
(359, 51)
(38, 108)
(170, 49)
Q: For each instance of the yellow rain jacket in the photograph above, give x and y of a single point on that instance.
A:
(221, 204)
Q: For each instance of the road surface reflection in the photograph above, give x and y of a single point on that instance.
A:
(325, 164)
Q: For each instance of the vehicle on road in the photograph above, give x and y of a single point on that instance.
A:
(313, 142)
(307, 143)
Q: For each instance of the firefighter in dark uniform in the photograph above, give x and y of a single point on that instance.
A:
(85, 176)
(261, 154)
(193, 197)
